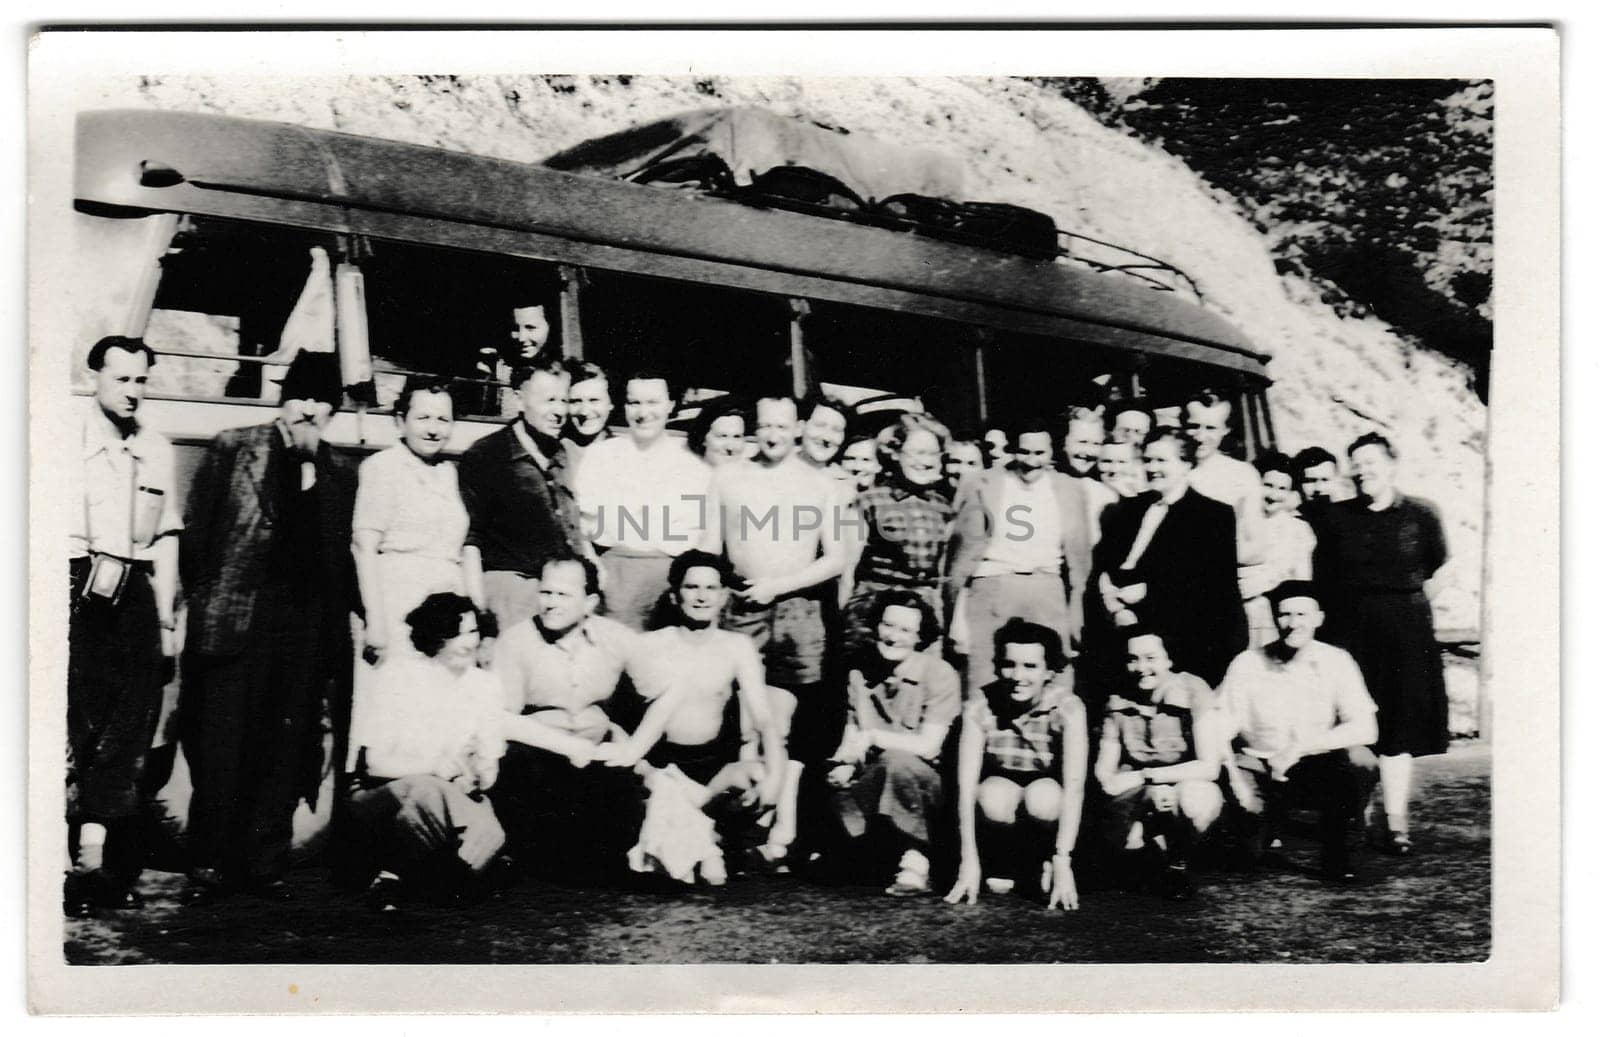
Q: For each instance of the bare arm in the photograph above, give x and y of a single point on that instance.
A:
(1074, 768)
(364, 545)
(969, 765)
(529, 730)
(1109, 756)
(472, 575)
(925, 741)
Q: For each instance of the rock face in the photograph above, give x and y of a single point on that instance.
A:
(1335, 376)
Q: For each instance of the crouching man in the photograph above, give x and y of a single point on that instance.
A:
(1160, 753)
(567, 817)
(429, 745)
(1303, 721)
(1024, 752)
(691, 736)
(903, 699)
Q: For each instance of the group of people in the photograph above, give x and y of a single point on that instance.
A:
(786, 641)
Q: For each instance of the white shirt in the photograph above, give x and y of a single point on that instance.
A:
(128, 497)
(648, 501)
(1238, 485)
(423, 719)
(1027, 529)
(1273, 703)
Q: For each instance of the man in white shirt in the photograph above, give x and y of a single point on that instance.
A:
(123, 551)
(642, 500)
(1218, 476)
(1020, 549)
(1303, 722)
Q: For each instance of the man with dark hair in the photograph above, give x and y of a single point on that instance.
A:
(519, 499)
(700, 666)
(123, 562)
(1020, 548)
(823, 423)
(642, 498)
(1316, 476)
(565, 818)
(270, 582)
(1302, 721)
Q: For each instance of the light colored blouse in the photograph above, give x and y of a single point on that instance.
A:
(416, 506)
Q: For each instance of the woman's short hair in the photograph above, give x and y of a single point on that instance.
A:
(1376, 439)
(897, 433)
(422, 383)
(697, 559)
(711, 412)
(1018, 631)
(1275, 461)
(438, 619)
(1184, 442)
(927, 630)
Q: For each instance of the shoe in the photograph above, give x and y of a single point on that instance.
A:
(1176, 885)
(912, 880)
(276, 890)
(1399, 844)
(121, 899)
(714, 871)
(383, 896)
(1340, 873)
(999, 886)
(78, 904)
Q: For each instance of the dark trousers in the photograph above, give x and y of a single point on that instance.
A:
(567, 823)
(1336, 784)
(246, 728)
(114, 681)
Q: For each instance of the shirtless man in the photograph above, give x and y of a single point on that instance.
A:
(563, 817)
(692, 669)
(780, 520)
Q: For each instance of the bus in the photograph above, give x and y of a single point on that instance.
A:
(226, 243)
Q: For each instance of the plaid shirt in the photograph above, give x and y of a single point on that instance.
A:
(1028, 740)
(1160, 732)
(907, 529)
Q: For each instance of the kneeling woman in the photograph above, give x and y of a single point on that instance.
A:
(1160, 754)
(903, 699)
(1020, 772)
(431, 747)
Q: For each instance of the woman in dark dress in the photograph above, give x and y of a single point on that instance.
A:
(1374, 556)
(1167, 559)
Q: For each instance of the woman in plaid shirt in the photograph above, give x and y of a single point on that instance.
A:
(1023, 756)
(904, 525)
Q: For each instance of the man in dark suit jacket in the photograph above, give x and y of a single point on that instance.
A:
(1169, 559)
(268, 573)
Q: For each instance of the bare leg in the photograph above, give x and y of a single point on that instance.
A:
(784, 823)
(1395, 774)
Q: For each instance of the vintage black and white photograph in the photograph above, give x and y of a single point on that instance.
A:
(662, 519)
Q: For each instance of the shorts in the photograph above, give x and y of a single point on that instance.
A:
(790, 633)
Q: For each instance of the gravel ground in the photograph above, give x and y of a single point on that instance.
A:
(1431, 907)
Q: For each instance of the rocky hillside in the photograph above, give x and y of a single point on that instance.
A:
(1339, 369)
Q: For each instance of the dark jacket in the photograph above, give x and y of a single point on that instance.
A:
(228, 549)
(1190, 571)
